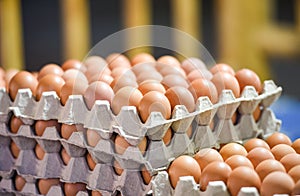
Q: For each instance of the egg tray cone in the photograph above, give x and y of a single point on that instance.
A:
(127, 124)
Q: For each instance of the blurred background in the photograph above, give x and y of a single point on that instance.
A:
(263, 35)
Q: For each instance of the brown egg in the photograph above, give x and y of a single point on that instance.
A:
(174, 80)
(154, 102)
(168, 70)
(74, 75)
(39, 152)
(92, 137)
(117, 168)
(296, 145)
(121, 145)
(41, 125)
(178, 95)
(73, 64)
(21, 80)
(168, 136)
(96, 66)
(121, 82)
(169, 60)
(295, 173)
(15, 124)
(202, 87)
(268, 166)
(15, 150)
(65, 156)
(215, 171)
(256, 114)
(44, 185)
(183, 166)
(50, 69)
(238, 160)
(67, 130)
(98, 91)
(221, 67)
(101, 77)
(247, 77)
(290, 160)
(143, 67)
(49, 82)
(255, 142)
(199, 73)
(96, 193)
(9, 74)
(224, 80)
(277, 183)
(90, 161)
(71, 189)
(146, 175)
(142, 58)
(19, 182)
(117, 60)
(278, 138)
(259, 154)
(206, 156)
(191, 64)
(154, 75)
(123, 71)
(296, 189)
(231, 149)
(242, 177)
(126, 96)
(151, 85)
(72, 87)
(280, 150)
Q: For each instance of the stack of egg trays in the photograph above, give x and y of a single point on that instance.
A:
(127, 124)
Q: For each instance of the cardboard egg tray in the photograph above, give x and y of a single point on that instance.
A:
(127, 124)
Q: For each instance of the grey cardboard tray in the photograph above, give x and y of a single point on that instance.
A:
(127, 124)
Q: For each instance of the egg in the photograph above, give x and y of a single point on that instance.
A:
(143, 67)
(295, 173)
(178, 95)
(278, 138)
(296, 145)
(71, 189)
(14, 149)
(72, 87)
(255, 142)
(126, 96)
(122, 81)
(247, 77)
(98, 91)
(290, 160)
(74, 75)
(296, 189)
(202, 87)
(142, 58)
(206, 156)
(96, 66)
(73, 64)
(168, 136)
(183, 166)
(169, 60)
(9, 74)
(151, 85)
(101, 77)
(257, 113)
(21, 80)
(199, 73)
(90, 161)
(224, 80)
(174, 80)
(277, 183)
(191, 64)
(280, 150)
(154, 75)
(92, 137)
(49, 82)
(146, 175)
(231, 149)
(39, 152)
(121, 145)
(53, 69)
(117, 168)
(154, 101)
(41, 125)
(15, 124)
(123, 71)
(242, 177)
(19, 182)
(44, 185)
(259, 154)
(67, 130)
(215, 171)
(238, 160)
(168, 70)
(117, 60)
(65, 156)
(221, 67)
(268, 166)
(96, 193)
